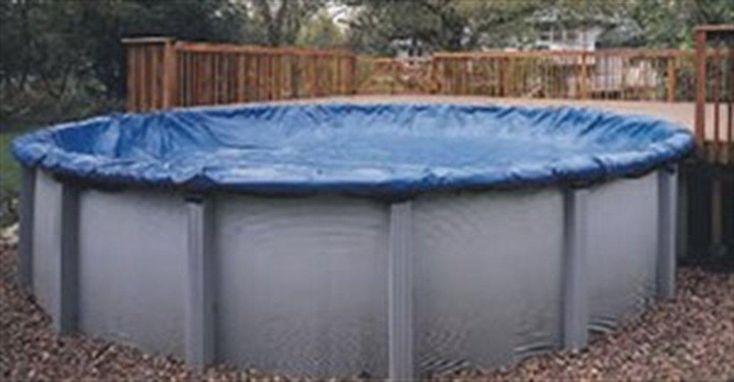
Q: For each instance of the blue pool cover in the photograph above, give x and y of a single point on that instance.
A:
(355, 148)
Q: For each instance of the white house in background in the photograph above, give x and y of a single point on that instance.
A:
(409, 47)
(559, 30)
(553, 37)
(607, 75)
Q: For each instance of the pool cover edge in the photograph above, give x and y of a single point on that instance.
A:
(45, 149)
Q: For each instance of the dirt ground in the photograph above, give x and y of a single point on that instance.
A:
(689, 339)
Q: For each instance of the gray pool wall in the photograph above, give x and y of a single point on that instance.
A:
(330, 285)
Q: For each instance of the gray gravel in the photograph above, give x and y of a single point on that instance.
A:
(691, 339)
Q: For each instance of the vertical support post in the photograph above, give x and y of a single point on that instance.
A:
(64, 303)
(146, 58)
(25, 244)
(729, 152)
(683, 211)
(199, 305)
(435, 86)
(665, 264)
(716, 215)
(504, 68)
(583, 81)
(131, 85)
(700, 122)
(575, 286)
(672, 80)
(169, 75)
(400, 299)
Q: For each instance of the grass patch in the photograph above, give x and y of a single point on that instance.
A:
(9, 172)
(9, 168)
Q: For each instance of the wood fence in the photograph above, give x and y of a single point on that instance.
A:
(715, 91)
(163, 73)
(628, 74)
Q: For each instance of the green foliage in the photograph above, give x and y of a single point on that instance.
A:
(52, 46)
(470, 24)
(282, 20)
(65, 53)
(320, 32)
(9, 179)
(9, 174)
(670, 23)
(377, 23)
(465, 24)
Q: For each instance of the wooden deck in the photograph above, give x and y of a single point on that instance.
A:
(681, 113)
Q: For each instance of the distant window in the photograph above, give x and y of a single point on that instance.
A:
(556, 35)
(571, 35)
(546, 35)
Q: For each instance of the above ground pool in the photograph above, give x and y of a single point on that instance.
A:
(382, 240)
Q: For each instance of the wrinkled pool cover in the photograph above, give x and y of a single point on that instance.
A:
(355, 148)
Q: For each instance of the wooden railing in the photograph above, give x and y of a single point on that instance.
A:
(715, 92)
(629, 74)
(163, 73)
(382, 75)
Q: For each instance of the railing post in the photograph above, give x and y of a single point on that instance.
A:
(507, 74)
(583, 81)
(436, 85)
(700, 123)
(353, 73)
(169, 75)
(672, 80)
(150, 73)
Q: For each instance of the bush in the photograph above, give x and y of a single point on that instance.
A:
(35, 106)
(8, 207)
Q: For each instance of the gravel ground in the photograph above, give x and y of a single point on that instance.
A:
(691, 339)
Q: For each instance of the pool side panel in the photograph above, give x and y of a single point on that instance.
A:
(337, 286)
(133, 256)
(302, 284)
(622, 249)
(488, 272)
(46, 239)
(400, 282)
(25, 243)
(54, 259)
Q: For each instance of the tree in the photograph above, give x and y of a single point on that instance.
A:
(668, 23)
(320, 32)
(282, 19)
(438, 24)
(378, 23)
(51, 43)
